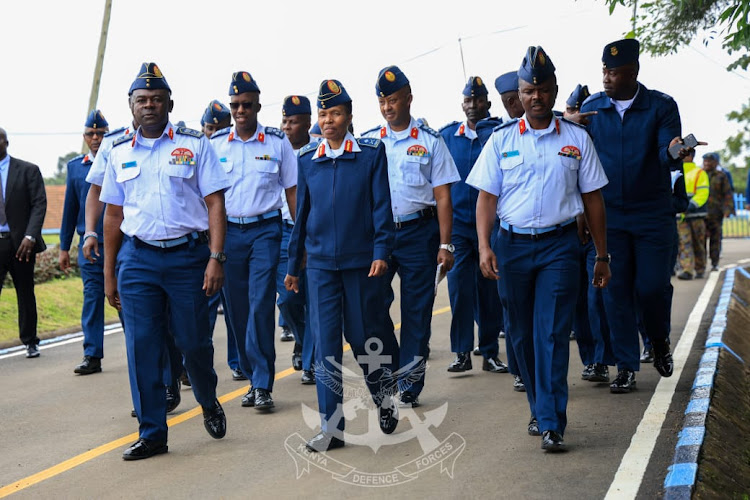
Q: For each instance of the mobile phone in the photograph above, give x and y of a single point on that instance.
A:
(689, 141)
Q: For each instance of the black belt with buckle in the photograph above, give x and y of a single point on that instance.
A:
(5, 235)
(427, 213)
(190, 239)
(543, 236)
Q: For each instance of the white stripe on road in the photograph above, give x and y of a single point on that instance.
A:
(21, 350)
(627, 480)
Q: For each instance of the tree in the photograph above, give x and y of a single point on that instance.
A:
(664, 26)
(62, 170)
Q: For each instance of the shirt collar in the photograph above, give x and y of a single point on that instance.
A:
(554, 124)
(626, 103)
(413, 126)
(168, 132)
(349, 145)
(5, 162)
(259, 134)
(464, 130)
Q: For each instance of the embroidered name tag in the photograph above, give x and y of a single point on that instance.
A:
(130, 164)
(508, 154)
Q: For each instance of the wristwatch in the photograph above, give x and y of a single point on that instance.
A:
(220, 256)
(606, 259)
(30, 238)
(448, 246)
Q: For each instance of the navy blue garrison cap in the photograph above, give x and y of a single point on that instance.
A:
(315, 129)
(621, 52)
(242, 82)
(507, 82)
(579, 95)
(536, 67)
(96, 120)
(390, 79)
(296, 105)
(475, 87)
(331, 94)
(215, 113)
(714, 156)
(149, 77)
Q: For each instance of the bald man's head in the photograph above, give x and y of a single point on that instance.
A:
(3, 144)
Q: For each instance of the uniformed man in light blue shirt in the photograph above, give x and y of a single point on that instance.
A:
(164, 188)
(538, 173)
(260, 163)
(420, 173)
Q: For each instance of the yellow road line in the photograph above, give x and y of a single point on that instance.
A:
(105, 448)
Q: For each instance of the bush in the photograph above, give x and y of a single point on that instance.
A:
(47, 266)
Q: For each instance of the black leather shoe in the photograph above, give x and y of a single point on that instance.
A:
(684, 275)
(462, 362)
(587, 371)
(647, 356)
(624, 382)
(238, 375)
(600, 373)
(552, 441)
(215, 421)
(173, 397)
(143, 448)
(663, 358)
(572, 335)
(409, 399)
(494, 365)
(297, 361)
(88, 366)
(308, 377)
(427, 353)
(184, 380)
(501, 334)
(324, 442)
(518, 384)
(263, 400)
(132, 413)
(476, 351)
(248, 400)
(534, 427)
(286, 335)
(32, 351)
(388, 415)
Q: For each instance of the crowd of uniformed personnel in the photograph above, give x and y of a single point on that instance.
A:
(526, 213)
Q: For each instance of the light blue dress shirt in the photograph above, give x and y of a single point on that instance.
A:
(161, 187)
(4, 165)
(538, 175)
(418, 162)
(257, 169)
(96, 172)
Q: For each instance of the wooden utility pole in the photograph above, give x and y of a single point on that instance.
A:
(99, 62)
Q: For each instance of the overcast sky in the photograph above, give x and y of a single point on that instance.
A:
(49, 49)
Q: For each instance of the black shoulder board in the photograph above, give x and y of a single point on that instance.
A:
(125, 138)
(221, 132)
(76, 158)
(115, 132)
(505, 124)
(448, 125)
(573, 123)
(369, 142)
(312, 146)
(274, 131)
(427, 129)
(373, 129)
(189, 131)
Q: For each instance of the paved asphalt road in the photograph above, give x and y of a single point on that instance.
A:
(62, 435)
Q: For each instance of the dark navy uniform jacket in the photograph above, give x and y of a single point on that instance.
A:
(74, 213)
(465, 152)
(344, 217)
(634, 153)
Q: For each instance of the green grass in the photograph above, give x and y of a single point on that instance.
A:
(59, 304)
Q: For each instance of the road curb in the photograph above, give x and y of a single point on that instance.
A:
(681, 475)
(61, 338)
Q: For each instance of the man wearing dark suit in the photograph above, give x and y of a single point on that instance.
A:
(23, 204)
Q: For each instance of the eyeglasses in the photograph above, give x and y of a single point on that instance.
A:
(93, 133)
(236, 105)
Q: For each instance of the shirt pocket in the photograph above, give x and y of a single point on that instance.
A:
(179, 175)
(512, 174)
(226, 164)
(126, 178)
(570, 163)
(268, 171)
(412, 170)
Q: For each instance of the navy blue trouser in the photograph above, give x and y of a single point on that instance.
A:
(640, 260)
(592, 331)
(414, 258)
(250, 291)
(160, 289)
(92, 313)
(349, 301)
(472, 296)
(292, 305)
(233, 357)
(539, 283)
